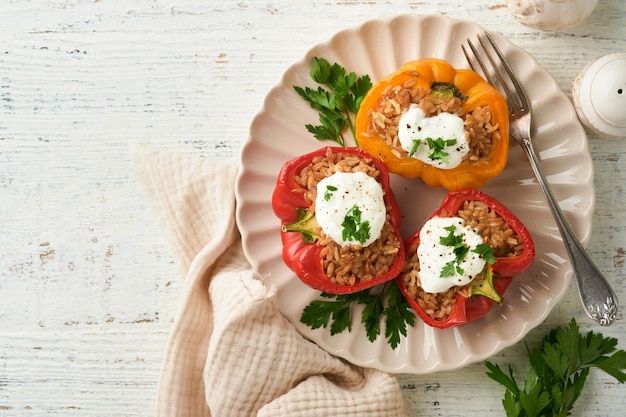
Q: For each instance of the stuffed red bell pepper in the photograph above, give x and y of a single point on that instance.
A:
(339, 220)
(462, 260)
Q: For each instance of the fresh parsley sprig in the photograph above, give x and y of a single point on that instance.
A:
(558, 371)
(388, 306)
(337, 104)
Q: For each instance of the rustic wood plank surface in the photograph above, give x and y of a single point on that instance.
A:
(88, 288)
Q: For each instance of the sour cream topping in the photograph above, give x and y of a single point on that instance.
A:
(437, 257)
(440, 140)
(350, 208)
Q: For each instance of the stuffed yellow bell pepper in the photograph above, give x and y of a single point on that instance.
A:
(447, 126)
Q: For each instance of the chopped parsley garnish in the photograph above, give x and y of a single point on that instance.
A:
(460, 250)
(485, 251)
(329, 192)
(353, 228)
(416, 143)
(450, 268)
(437, 147)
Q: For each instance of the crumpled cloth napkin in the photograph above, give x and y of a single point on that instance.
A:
(231, 352)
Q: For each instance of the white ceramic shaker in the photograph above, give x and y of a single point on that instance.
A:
(599, 95)
(551, 15)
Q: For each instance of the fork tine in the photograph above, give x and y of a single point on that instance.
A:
(509, 85)
(523, 101)
(475, 57)
(501, 82)
(479, 65)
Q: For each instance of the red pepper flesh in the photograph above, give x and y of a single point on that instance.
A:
(302, 256)
(505, 265)
(466, 310)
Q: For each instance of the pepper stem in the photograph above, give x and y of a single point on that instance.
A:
(305, 224)
(484, 286)
(447, 90)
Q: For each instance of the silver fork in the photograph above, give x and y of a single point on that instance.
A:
(597, 296)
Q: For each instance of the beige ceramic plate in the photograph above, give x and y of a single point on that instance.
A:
(377, 48)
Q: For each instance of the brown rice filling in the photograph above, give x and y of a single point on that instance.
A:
(495, 232)
(384, 119)
(348, 265)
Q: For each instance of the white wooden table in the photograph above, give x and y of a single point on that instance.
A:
(88, 289)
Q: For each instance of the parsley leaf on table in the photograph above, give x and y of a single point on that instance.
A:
(338, 103)
(319, 312)
(398, 314)
(558, 371)
(388, 305)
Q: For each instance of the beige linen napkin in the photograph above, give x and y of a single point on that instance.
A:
(231, 352)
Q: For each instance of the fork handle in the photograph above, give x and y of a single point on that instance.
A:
(595, 292)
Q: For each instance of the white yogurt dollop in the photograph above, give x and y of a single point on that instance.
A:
(434, 256)
(440, 140)
(355, 196)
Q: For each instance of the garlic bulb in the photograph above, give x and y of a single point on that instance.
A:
(551, 15)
